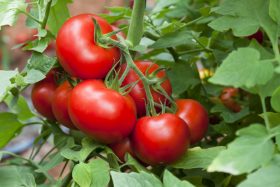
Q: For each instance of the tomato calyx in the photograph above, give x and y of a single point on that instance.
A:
(105, 40)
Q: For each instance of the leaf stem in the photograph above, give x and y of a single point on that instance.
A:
(146, 82)
(267, 124)
(30, 16)
(67, 179)
(45, 20)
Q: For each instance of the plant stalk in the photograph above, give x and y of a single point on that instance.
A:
(135, 31)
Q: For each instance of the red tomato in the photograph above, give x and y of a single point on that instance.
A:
(60, 105)
(121, 148)
(42, 95)
(227, 98)
(101, 113)
(77, 51)
(160, 139)
(257, 36)
(138, 93)
(195, 116)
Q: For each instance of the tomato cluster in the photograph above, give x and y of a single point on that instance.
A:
(110, 116)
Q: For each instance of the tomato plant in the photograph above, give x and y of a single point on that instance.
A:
(184, 98)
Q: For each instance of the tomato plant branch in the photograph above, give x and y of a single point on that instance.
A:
(135, 30)
(267, 124)
(30, 16)
(145, 80)
(45, 20)
(67, 179)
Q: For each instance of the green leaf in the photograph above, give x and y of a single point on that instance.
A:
(275, 100)
(9, 127)
(243, 68)
(229, 116)
(170, 180)
(40, 62)
(53, 161)
(162, 4)
(252, 142)
(100, 173)
(277, 138)
(6, 84)
(117, 13)
(13, 176)
(182, 77)
(134, 164)
(38, 45)
(87, 147)
(59, 13)
(265, 54)
(9, 10)
(244, 17)
(20, 107)
(179, 37)
(198, 158)
(267, 89)
(265, 176)
(274, 7)
(33, 76)
(82, 174)
(141, 179)
(273, 118)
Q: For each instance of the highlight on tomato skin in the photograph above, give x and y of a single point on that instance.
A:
(160, 140)
(195, 116)
(93, 61)
(102, 113)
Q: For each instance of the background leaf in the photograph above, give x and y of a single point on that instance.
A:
(141, 179)
(198, 158)
(243, 68)
(170, 180)
(9, 127)
(9, 10)
(246, 153)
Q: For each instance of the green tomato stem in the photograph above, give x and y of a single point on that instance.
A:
(135, 31)
(45, 20)
(146, 82)
(267, 124)
(67, 179)
(30, 16)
